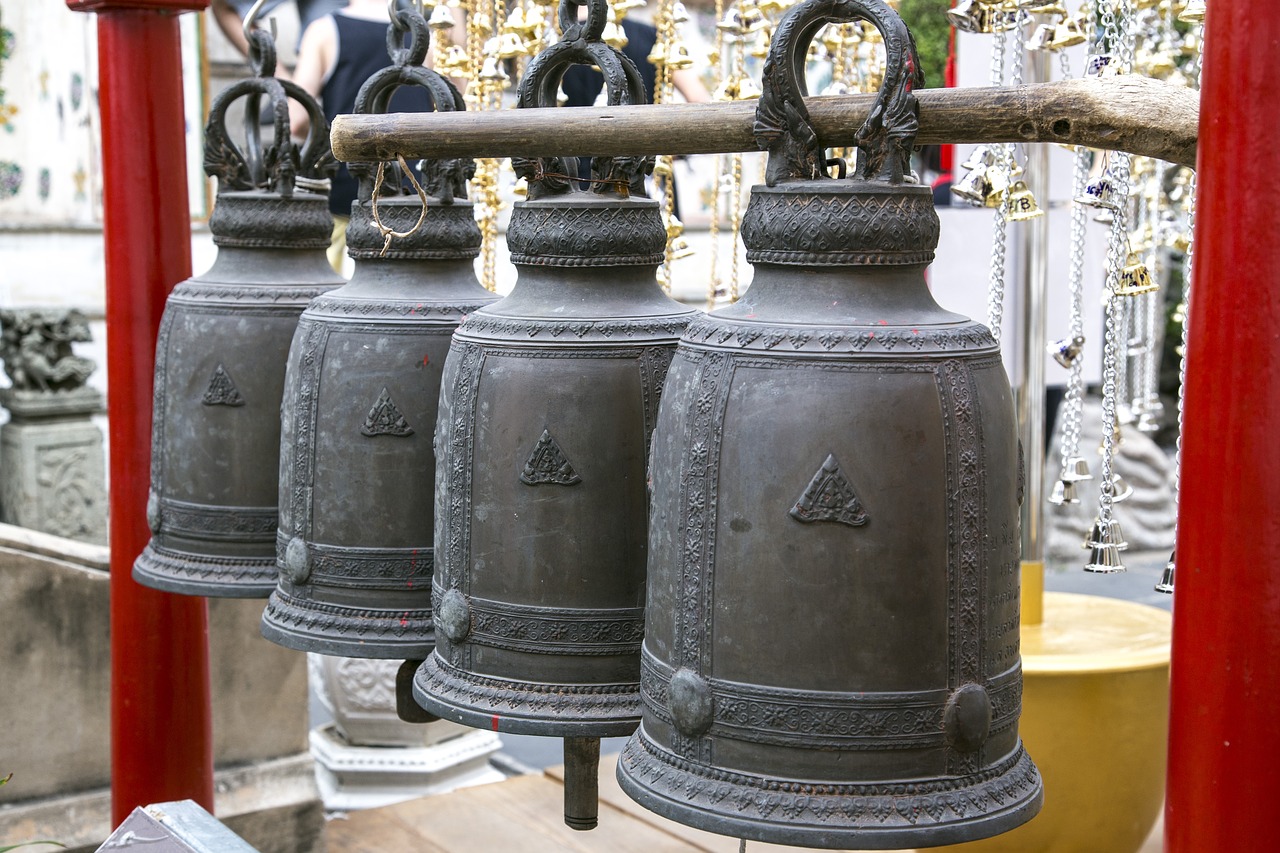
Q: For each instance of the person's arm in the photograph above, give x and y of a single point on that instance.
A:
(231, 25)
(689, 84)
(316, 55)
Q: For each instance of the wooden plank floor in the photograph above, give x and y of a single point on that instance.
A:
(524, 814)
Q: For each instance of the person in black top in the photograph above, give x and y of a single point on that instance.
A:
(339, 52)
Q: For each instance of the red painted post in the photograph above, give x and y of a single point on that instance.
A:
(1224, 743)
(161, 722)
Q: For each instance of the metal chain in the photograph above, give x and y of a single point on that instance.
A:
(995, 290)
(1116, 252)
(1073, 400)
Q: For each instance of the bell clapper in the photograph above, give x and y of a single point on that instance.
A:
(581, 782)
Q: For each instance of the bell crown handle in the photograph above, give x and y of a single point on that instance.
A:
(581, 44)
(782, 124)
(443, 179)
(282, 165)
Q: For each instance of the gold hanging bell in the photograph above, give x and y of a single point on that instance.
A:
(970, 17)
(510, 46)
(1069, 33)
(1022, 204)
(491, 71)
(613, 36)
(678, 57)
(441, 18)
(1135, 279)
(1193, 12)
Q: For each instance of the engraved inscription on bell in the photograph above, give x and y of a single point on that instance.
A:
(222, 391)
(830, 497)
(385, 418)
(548, 464)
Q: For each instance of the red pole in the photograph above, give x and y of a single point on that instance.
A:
(1224, 743)
(161, 721)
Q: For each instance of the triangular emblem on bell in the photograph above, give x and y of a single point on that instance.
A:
(222, 391)
(829, 497)
(385, 418)
(1166, 577)
(548, 464)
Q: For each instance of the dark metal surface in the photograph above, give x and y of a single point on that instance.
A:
(223, 341)
(357, 467)
(548, 402)
(831, 637)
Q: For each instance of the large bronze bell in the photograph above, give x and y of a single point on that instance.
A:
(831, 639)
(357, 472)
(547, 405)
(224, 339)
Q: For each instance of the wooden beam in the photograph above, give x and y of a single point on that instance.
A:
(1135, 114)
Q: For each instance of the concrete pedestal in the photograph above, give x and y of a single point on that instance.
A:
(53, 469)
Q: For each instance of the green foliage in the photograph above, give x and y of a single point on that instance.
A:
(927, 20)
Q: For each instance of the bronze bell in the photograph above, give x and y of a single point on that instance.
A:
(222, 347)
(357, 473)
(548, 401)
(831, 638)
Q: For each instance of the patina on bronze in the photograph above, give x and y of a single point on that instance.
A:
(831, 638)
(357, 473)
(224, 339)
(548, 402)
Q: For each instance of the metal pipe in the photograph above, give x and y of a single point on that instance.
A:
(1033, 274)
(1225, 685)
(161, 717)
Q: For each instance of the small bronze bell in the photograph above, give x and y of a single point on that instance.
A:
(831, 637)
(1193, 12)
(970, 16)
(1022, 204)
(973, 188)
(1068, 33)
(223, 344)
(547, 405)
(1067, 351)
(360, 403)
(441, 18)
(1135, 279)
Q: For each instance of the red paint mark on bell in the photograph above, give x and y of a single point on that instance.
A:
(871, 334)
(404, 622)
(884, 322)
(426, 359)
(495, 722)
(915, 331)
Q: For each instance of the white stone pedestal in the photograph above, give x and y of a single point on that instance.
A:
(364, 777)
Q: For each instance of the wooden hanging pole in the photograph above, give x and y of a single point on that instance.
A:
(1123, 113)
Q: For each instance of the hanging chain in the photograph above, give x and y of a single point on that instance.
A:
(1073, 400)
(995, 290)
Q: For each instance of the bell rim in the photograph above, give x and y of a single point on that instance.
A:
(171, 571)
(272, 628)
(498, 713)
(786, 829)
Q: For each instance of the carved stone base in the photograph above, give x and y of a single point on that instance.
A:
(54, 473)
(886, 816)
(552, 710)
(362, 777)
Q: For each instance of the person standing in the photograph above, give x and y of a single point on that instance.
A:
(230, 17)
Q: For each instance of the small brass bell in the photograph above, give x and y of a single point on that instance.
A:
(662, 167)
(973, 188)
(1064, 492)
(678, 57)
(613, 36)
(969, 16)
(1022, 204)
(491, 70)
(731, 23)
(1193, 12)
(982, 157)
(1041, 38)
(680, 248)
(997, 188)
(223, 345)
(1135, 279)
(1067, 34)
(510, 46)
(455, 62)
(1105, 533)
(1099, 64)
(1104, 559)
(1100, 192)
(1120, 488)
(441, 18)
(1067, 350)
(1166, 577)
(679, 14)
